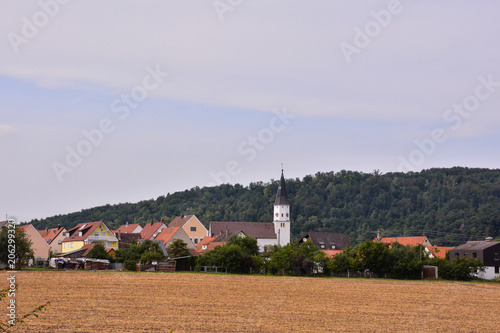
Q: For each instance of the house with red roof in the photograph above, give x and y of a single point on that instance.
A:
(152, 229)
(41, 249)
(438, 251)
(88, 233)
(169, 235)
(129, 229)
(191, 226)
(411, 241)
(329, 243)
(54, 238)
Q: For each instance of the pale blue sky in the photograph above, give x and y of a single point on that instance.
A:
(226, 79)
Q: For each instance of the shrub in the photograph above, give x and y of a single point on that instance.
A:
(130, 265)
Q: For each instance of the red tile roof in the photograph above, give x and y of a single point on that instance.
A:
(127, 228)
(50, 234)
(331, 253)
(179, 221)
(166, 234)
(412, 241)
(149, 229)
(439, 251)
(85, 228)
(88, 247)
(23, 227)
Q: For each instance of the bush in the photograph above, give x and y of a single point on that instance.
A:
(130, 265)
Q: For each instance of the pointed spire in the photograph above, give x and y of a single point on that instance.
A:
(282, 195)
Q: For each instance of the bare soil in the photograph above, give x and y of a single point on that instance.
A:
(161, 302)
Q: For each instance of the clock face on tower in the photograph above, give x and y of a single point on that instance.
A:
(277, 214)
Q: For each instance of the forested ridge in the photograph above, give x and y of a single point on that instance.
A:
(450, 205)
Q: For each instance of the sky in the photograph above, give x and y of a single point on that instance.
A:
(123, 101)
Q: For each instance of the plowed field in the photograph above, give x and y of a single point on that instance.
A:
(160, 302)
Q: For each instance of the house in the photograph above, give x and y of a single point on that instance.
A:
(169, 235)
(127, 239)
(87, 233)
(487, 251)
(438, 251)
(152, 229)
(41, 249)
(266, 233)
(54, 238)
(411, 241)
(129, 229)
(328, 242)
(208, 244)
(191, 225)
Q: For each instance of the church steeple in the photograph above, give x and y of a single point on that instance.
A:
(282, 195)
(282, 213)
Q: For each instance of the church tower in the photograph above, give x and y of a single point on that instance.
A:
(282, 214)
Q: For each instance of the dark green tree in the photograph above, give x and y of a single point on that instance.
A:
(99, 252)
(406, 261)
(345, 262)
(15, 246)
(375, 257)
(178, 249)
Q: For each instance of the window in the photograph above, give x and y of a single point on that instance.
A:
(496, 256)
(457, 255)
(192, 229)
(71, 245)
(96, 234)
(59, 242)
(282, 224)
(333, 246)
(103, 233)
(322, 246)
(497, 270)
(196, 240)
(56, 251)
(474, 255)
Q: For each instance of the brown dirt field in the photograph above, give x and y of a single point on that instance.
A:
(160, 302)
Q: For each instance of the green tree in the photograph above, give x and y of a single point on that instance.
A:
(15, 240)
(279, 260)
(345, 262)
(99, 252)
(147, 252)
(375, 257)
(178, 249)
(406, 261)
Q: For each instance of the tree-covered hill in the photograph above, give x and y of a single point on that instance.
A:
(450, 206)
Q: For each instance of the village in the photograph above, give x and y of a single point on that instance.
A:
(61, 248)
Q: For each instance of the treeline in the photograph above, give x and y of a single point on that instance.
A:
(241, 255)
(450, 206)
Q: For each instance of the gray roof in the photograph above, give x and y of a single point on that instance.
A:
(476, 246)
(327, 238)
(251, 229)
(282, 195)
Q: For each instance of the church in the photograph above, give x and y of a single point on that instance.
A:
(266, 233)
